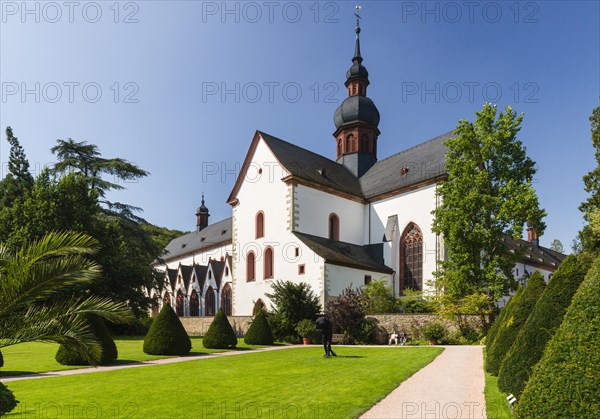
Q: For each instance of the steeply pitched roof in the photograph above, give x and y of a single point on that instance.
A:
(172, 275)
(217, 268)
(342, 253)
(423, 162)
(313, 167)
(536, 255)
(201, 275)
(186, 274)
(214, 234)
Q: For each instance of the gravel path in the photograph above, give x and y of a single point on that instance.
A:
(449, 387)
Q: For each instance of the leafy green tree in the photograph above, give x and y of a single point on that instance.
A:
(557, 246)
(513, 323)
(565, 382)
(541, 325)
(592, 179)
(488, 195)
(348, 316)
(377, 297)
(220, 334)
(32, 278)
(18, 180)
(291, 303)
(86, 159)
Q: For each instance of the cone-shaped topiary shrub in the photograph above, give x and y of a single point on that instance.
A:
(167, 335)
(509, 330)
(504, 313)
(259, 332)
(545, 318)
(220, 334)
(565, 383)
(7, 400)
(69, 356)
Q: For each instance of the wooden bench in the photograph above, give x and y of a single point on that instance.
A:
(337, 338)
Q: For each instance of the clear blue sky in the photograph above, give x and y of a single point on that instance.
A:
(162, 68)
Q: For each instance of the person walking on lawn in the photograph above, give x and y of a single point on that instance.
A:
(324, 325)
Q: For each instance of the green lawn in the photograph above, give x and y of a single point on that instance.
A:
(295, 382)
(39, 357)
(495, 400)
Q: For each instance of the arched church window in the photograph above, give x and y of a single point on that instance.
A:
(194, 304)
(167, 298)
(349, 141)
(260, 225)
(226, 300)
(210, 302)
(155, 307)
(179, 301)
(411, 258)
(334, 227)
(259, 305)
(250, 267)
(268, 263)
(339, 148)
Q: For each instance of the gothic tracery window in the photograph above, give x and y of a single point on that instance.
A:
(194, 304)
(411, 258)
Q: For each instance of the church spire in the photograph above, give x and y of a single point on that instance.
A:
(357, 118)
(202, 216)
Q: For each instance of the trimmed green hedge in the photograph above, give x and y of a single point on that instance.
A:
(506, 311)
(546, 317)
(220, 334)
(167, 335)
(509, 330)
(566, 381)
(70, 356)
(7, 400)
(259, 332)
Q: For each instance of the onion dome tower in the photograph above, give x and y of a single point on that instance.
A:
(357, 118)
(202, 216)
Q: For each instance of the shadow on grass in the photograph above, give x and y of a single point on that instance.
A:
(8, 374)
(350, 356)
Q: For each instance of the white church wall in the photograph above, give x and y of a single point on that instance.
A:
(338, 278)
(267, 193)
(314, 208)
(413, 206)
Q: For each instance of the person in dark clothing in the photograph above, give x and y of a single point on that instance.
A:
(324, 325)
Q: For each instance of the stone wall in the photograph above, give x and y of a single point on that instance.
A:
(410, 323)
(197, 326)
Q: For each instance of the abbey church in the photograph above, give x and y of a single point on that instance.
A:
(328, 223)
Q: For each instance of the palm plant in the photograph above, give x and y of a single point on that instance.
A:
(37, 298)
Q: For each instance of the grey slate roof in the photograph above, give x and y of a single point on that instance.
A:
(214, 234)
(186, 273)
(423, 161)
(306, 165)
(217, 268)
(534, 254)
(201, 275)
(342, 253)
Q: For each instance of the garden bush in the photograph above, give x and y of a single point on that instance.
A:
(259, 332)
(504, 313)
(220, 334)
(292, 303)
(508, 331)
(565, 383)
(7, 400)
(167, 335)
(545, 318)
(377, 297)
(434, 331)
(348, 317)
(67, 355)
(1, 360)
